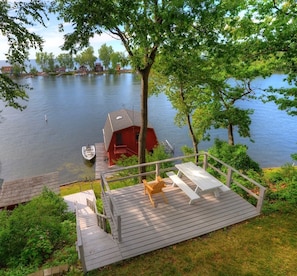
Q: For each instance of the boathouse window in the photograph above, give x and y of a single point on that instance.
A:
(137, 136)
(119, 139)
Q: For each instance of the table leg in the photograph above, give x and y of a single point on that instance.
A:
(179, 173)
(216, 193)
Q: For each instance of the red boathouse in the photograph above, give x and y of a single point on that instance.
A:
(121, 133)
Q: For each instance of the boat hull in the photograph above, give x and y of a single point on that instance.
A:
(88, 152)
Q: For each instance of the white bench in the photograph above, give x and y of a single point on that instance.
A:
(183, 186)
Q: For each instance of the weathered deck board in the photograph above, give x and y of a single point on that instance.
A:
(23, 190)
(145, 228)
(101, 164)
(100, 248)
(98, 245)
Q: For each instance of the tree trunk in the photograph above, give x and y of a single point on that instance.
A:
(230, 135)
(144, 119)
(194, 140)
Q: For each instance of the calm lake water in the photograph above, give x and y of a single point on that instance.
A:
(76, 108)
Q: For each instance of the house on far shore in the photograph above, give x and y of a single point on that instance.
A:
(121, 132)
(61, 69)
(82, 70)
(118, 67)
(6, 69)
(98, 67)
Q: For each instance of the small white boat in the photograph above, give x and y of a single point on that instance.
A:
(88, 152)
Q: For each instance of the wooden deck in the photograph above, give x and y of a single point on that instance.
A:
(145, 228)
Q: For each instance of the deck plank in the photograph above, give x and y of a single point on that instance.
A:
(145, 228)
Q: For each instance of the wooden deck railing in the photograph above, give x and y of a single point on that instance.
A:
(101, 218)
(158, 170)
(115, 216)
(79, 243)
(259, 196)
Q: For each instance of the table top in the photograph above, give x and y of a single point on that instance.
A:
(199, 176)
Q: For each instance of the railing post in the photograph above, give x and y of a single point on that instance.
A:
(79, 243)
(157, 170)
(111, 205)
(82, 258)
(102, 184)
(261, 199)
(205, 161)
(119, 228)
(104, 224)
(229, 177)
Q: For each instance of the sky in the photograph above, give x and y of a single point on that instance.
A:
(54, 39)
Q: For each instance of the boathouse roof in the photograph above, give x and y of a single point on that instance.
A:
(120, 119)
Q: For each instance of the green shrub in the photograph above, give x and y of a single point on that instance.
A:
(236, 156)
(282, 193)
(32, 232)
(159, 153)
(283, 184)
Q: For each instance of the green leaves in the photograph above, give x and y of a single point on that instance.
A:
(10, 91)
(86, 57)
(30, 233)
(105, 53)
(46, 61)
(15, 19)
(285, 98)
(235, 156)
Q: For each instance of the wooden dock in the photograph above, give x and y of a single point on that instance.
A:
(22, 190)
(145, 228)
(101, 163)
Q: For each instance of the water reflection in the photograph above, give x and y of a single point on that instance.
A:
(76, 108)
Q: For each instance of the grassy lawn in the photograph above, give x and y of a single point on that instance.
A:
(81, 186)
(262, 246)
(265, 245)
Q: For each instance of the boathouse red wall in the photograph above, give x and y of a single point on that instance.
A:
(125, 142)
(121, 134)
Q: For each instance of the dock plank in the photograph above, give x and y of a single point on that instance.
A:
(23, 190)
(101, 163)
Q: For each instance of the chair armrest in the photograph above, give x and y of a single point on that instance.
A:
(148, 186)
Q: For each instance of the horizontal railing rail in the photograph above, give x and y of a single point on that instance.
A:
(79, 242)
(229, 179)
(113, 215)
(158, 170)
(101, 218)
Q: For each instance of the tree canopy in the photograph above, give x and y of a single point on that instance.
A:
(46, 61)
(16, 18)
(105, 52)
(86, 57)
(65, 60)
(145, 28)
(275, 38)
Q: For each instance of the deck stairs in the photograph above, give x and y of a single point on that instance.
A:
(100, 249)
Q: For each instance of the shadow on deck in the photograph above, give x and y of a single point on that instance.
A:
(137, 227)
(145, 228)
